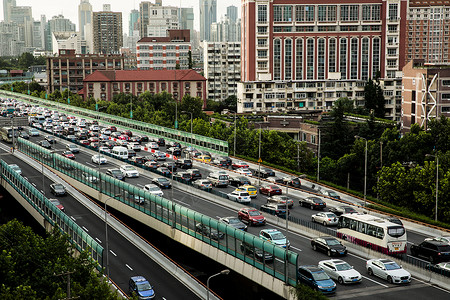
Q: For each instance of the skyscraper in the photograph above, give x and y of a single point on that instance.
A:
(84, 16)
(7, 4)
(208, 15)
(186, 18)
(232, 13)
(134, 22)
(107, 32)
(155, 19)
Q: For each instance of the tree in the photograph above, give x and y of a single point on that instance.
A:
(190, 61)
(374, 98)
(303, 292)
(26, 59)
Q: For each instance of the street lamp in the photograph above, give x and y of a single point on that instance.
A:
(365, 168)
(106, 236)
(188, 112)
(437, 182)
(318, 157)
(234, 151)
(259, 155)
(223, 272)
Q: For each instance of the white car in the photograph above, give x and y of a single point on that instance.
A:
(72, 148)
(152, 145)
(239, 196)
(153, 189)
(444, 266)
(16, 168)
(129, 171)
(105, 149)
(326, 218)
(388, 270)
(244, 171)
(444, 239)
(99, 159)
(340, 270)
(106, 131)
(134, 146)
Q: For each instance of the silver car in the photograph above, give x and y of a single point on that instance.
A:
(325, 218)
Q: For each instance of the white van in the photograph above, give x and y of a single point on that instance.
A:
(119, 152)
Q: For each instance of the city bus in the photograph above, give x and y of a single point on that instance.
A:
(373, 232)
(7, 108)
(7, 134)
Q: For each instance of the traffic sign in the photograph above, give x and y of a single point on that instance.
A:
(260, 160)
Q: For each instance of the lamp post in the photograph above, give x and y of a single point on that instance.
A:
(188, 112)
(259, 156)
(437, 182)
(365, 168)
(223, 272)
(318, 158)
(106, 236)
(234, 145)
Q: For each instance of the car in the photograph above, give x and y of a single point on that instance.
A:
(162, 182)
(244, 171)
(316, 278)
(343, 209)
(57, 189)
(89, 178)
(33, 132)
(292, 181)
(175, 151)
(163, 171)
(131, 153)
(182, 177)
(152, 164)
(443, 266)
(250, 189)
(209, 232)
(129, 171)
(71, 137)
(98, 159)
(134, 146)
(204, 158)
(239, 164)
(24, 135)
(388, 270)
(160, 155)
(116, 173)
(127, 133)
(152, 145)
(138, 160)
(218, 179)
(170, 165)
(134, 198)
(68, 154)
(57, 203)
(263, 173)
(328, 244)
(238, 181)
(104, 149)
(234, 222)
(312, 202)
(432, 250)
(275, 179)
(195, 174)
(51, 139)
(239, 196)
(270, 189)
(85, 142)
(275, 237)
(251, 216)
(219, 162)
(153, 189)
(183, 163)
(274, 209)
(139, 287)
(445, 239)
(202, 184)
(340, 270)
(330, 193)
(325, 218)
(45, 144)
(282, 199)
(16, 169)
(259, 254)
(161, 142)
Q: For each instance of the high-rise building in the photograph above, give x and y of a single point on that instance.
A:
(133, 23)
(186, 19)
(84, 16)
(9, 44)
(22, 15)
(208, 15)
(225, 31)
(232, 13)
(7, 4)
(298, 56)
(107, 32)
(156, 19)
(57, 24)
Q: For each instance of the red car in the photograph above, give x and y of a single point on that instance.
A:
(68, 154)
(113, 128)
(239, 164)
(251, 216)
(127, 132)
(85, 142)
(57, 204)
(270, 190)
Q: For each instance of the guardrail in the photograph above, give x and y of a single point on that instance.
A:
(52, 214)
(210, 231)
(194, 140)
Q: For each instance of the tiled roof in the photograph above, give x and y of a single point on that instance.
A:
(143, 75)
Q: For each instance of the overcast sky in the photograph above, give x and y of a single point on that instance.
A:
(69, 8)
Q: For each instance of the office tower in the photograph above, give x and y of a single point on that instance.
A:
(232, 13)
(156, 19)
(7, 4)
(84, 16)
(133, 22)
(208, 15)
(107, 32)
(186, 18)
(57, 24)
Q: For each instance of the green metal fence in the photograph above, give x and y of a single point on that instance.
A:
(52, 214)
(195, 140)
(263, 255)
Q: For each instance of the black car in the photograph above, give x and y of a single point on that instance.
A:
(259, 254)
(219, 162)
(163, 171)
(227, 159)
(57, 189)
(209, 232)
(161, 142)
(144, 139)
(238, 181)
(170, 165)
(162, 182)
(24, 135)
(330, 245)
(195, 174)
(433, 251)
(339, 210)
(183, 163)
(138, 160)
(234, 222)
(312, 202)
(116, 173)
(45, 144)
(264, 172)
(131, 153)
(175, 151)
(182, 177)
(292, 181)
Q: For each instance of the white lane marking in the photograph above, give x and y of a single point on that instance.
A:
(370, 279)
(42, 191)
(185, 204)
(112, 253)
(85, 229)
(73, 218)
(33, 184)
(129, 267)
(26, 178)
(218, 217)
(93, 165)
(432, 285)
(98, 240)
(139, 185)
(296, 248)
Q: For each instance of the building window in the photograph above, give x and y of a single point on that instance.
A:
(343, 58)
(115, 86)
(262, 53)
(287, 13)
(103, 86)
(91, 86)
(199, 94)
(310, 59)
(262, 13)
(262, 29)
(365, 59)
(299, 59)
(175, 85)
(187, 85)
(127, 86)
(375, 56)
(262, 42)
(288, 59)
(277, 13)
(199, 85)
(163, 86)
(321, 59)
(349, 12)
(354, 59)
(277, 59)
(139, 86)
(304, 13)
(393, 11)
(103, 96)
(151, 85)
(332, 55)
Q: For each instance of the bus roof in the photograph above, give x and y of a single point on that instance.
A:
(369, 219)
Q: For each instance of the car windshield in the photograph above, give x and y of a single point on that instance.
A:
(254, 213)
(317, 200)
(58, 186)
(274, 187)
(144, 286)
(343, 267)
(332, 242)
(116, 172)
(318, 276)
(444, 248)
(278, 236)
(129, 168)
(332, 193)
(251, 189)
(56, 202)
(392, 266)
(163, 180)
(234, 221)
(154, 189)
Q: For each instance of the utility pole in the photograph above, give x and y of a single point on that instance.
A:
(68, 284)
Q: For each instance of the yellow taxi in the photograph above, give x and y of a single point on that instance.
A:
(204, 158)
(250, 189)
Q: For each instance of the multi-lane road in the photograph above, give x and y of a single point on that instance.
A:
(126, 259)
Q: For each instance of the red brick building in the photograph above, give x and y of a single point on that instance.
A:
(104, 84)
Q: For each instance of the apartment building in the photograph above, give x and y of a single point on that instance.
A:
(155, 19)
(164, 53)
(222, 68)
(107, 32)
(304, 56)
(68, 69)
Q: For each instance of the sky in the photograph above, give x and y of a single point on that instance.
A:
(69, 8)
